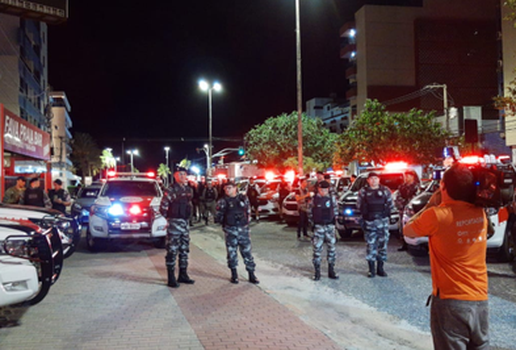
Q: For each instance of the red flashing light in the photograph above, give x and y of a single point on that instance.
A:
(269, 176)
(339, 172)
(396, 166)
(290, 176)
(471, 160)
(151, 174)
(135, 209)
(111, 173)
(221, 176)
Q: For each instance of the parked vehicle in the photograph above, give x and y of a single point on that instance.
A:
(127, 208)
(83, 202)
(30, 261)
(68, 228)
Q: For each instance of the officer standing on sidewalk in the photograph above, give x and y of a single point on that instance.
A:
(176, 206)
(234, 212)
(408, 190)
(375, 204)
(59, 196)
(324, 210)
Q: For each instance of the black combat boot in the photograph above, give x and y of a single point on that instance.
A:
(380, 271)
(372, 271)
(252, 278)
(172, 278)
(331, 272)
(317, 275)
(234, 276)
(183, 276)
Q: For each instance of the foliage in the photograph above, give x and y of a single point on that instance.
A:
(275, 141)
(164, 172)
(380, 136)
(85, 154)
(309, 165)
(107, 160)
(185, 163)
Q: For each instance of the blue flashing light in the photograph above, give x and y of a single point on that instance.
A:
(116, 210)
(348, 212)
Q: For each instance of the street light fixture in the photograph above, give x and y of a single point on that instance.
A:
(167, 149)
(132, 153)
(205, 86)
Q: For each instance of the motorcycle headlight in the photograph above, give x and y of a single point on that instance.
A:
(77, 206)
(17, 247)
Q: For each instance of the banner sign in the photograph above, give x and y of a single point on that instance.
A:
(21, 137)
(51, 11)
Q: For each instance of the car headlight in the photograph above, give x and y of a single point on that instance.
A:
(77, 206)
(409, 211)
(98, 210)
(17, 247)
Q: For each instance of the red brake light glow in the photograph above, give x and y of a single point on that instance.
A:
(290, 176)
(396, 166)
(151, 174)
(269, 176)
(471, 160)
(111, 173)
(135, 209)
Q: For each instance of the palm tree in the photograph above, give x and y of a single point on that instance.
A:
(164, 172)
(85, 154)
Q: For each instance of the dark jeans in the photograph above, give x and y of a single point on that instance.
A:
(302, 224)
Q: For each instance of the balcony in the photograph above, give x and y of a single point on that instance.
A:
(348, 51)
(351, 73)
(348, 29)
(351, 94)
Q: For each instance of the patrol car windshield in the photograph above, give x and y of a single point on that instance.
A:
(391, 180)
(130, 188)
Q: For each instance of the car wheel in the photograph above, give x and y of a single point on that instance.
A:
(160, 242)
(417, 250)
(346, 233)
(92, 243)
(507, 250)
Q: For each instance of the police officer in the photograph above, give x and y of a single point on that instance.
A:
(209, 197)
(233, 212)
(14, 194)
(35, 196)
(176, 206)
(59, 196)
(375, 204)
(323, 211)
(408, 190)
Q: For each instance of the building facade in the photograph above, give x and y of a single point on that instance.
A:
(335, 114)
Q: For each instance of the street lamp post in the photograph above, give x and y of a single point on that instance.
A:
(132, 153)
(167, 149)
(205, 86)
(299, 94)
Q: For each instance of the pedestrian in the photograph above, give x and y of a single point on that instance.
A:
(209, 197)
(233, 213)
(34, 195)
(283, 192)
(375, 204)
(324, 211)
(408, 190)
(202, 208)
(253, 193)
(303, 199)
(176, 206)
(195, 202)
(59, 197)
(457, 237)
(14, 194)
(319, 178)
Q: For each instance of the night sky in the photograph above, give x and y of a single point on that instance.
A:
(132, 71)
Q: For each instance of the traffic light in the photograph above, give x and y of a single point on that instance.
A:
(241, 151)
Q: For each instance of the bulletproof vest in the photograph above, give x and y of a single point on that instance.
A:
(53, 194)
(323, 213)
(236, 212)
(180, 207)
(375, 204)
(209, 194)
(34, 196)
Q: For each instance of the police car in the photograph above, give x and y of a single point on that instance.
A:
(349, 218)
(127, 207)
(502, 244)
(30, 261)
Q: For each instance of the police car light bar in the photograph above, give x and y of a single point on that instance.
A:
(148, 174)
(396, 166)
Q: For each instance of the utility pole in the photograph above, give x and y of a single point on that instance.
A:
(445, 101)
(299, 94)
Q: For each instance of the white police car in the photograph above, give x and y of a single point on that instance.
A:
(127, 207)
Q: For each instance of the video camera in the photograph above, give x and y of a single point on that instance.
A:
(494, 184)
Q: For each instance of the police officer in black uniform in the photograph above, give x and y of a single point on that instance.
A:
(176, 206)
(375, 204)
(35, 195)
(209, 197)
(234, 212)
(59, 196)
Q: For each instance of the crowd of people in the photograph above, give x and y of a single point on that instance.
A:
(34, 195)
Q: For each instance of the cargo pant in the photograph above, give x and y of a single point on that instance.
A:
(323, 234)
(238, 237)
(376, 235)
(178, 240)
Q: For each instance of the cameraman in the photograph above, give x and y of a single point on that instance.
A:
(457, 231)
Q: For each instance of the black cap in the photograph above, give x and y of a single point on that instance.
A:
(327, 177)
(180, 168)
(34, 179)
(59, 182)
(320, 173)
(230, 183)
(371, 174)
(324, 184)
(21, 178)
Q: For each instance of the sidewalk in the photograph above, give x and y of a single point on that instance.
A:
(119, 300)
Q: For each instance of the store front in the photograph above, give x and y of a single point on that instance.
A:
(22, 143)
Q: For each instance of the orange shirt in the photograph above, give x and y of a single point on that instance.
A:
(457, 236)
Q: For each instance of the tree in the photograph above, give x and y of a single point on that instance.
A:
(164, 172)
(107, 160)
(308, 165)
(275, 141)
(185, 163)
(380, 136)
(85, 154)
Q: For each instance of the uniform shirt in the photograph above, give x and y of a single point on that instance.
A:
(61, 194)
(223, 208)
(317, 197)
(302, 203)
(457, 236)
(367, 190)
(405, 193)
(175, 192)
(13, 195)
